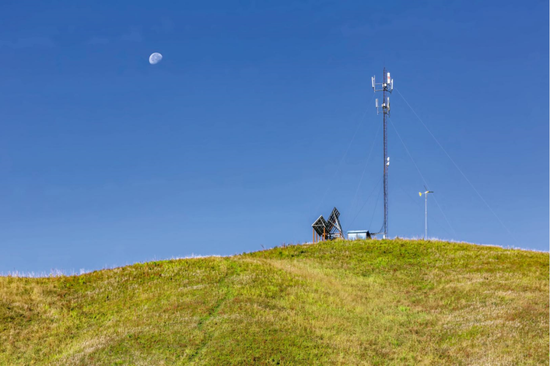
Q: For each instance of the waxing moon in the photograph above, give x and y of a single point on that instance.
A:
(155, 58)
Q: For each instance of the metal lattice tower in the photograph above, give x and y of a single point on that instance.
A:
(385, 86)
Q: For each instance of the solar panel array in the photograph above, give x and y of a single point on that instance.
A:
(327, 229)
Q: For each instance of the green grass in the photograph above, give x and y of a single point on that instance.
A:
(337, 303)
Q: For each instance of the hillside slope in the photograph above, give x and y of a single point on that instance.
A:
(352, 303)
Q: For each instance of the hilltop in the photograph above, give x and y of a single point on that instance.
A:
(340, 302)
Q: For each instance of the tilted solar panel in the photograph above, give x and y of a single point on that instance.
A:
(333, 220)
(320, 226)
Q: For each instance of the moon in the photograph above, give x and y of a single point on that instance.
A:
(155, 58)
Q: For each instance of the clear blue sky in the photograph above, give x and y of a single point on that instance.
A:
(236, 139)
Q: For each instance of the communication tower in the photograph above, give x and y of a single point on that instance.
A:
(385, 86)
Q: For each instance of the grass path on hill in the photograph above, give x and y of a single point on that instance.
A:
(349, 303)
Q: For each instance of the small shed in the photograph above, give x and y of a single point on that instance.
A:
(358, 234)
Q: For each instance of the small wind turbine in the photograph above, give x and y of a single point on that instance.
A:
(425, 211)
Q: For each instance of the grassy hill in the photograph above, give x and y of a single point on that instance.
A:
(349, 303)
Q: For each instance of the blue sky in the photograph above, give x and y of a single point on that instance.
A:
(260, 118)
